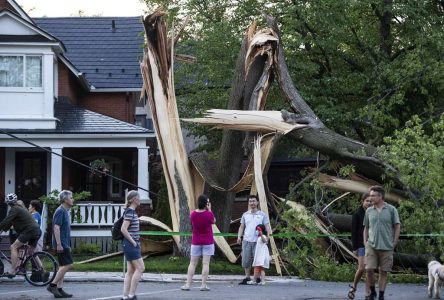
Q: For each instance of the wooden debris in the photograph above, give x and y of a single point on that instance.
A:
(98, 258)
(259, 121)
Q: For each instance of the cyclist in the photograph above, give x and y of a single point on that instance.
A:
(27, 229)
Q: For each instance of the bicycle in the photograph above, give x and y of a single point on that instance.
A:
(38, 268)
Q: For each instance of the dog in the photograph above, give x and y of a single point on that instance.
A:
(436, 279)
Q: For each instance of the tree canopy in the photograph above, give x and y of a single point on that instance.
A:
(365, 67)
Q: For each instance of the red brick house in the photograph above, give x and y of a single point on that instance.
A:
(72, 86)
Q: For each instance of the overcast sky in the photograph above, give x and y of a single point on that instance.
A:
(67, 8)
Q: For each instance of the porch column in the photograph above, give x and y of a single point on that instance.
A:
(56, 170)
(142, 174)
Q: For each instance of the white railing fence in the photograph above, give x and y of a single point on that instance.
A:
(96, 214)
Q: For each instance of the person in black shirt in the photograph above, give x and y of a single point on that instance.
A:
(357, 232)
(28, 231)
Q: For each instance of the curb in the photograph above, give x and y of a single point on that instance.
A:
(153, 277)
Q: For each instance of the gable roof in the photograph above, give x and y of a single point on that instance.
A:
(106, 50)
(18, 9)
(20, 30)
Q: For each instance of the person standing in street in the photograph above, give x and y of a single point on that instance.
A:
(357, 234)
(381, 234)
(202, 242)
(131, 247)
(249, 221)
(61, 242)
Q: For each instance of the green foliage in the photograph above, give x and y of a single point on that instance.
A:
(305, 255)
(417, 152)
(85, 248)
(408, 277)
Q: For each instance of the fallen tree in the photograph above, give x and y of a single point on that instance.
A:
(261, 59)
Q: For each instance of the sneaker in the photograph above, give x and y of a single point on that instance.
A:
(64, 294)
(261, 283)
(185, 287)
(258, 280)
(55, 291)
(245, 281)
(132, 298)
(204, 288)
(251, 282)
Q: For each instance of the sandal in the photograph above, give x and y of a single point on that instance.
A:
(351, 292)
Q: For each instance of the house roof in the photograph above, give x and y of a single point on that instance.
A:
(34, 34)
(107, 50)
(76, 120)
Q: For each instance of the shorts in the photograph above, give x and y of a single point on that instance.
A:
(31, 237)
(131, 252)
(382, 259)
(248, 253)
(65, 257)
(201, 250)
(361, 251)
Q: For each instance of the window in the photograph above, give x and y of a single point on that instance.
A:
(20, 71)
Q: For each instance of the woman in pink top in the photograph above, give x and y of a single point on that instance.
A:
(202, 243)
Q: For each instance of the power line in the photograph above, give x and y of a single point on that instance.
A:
(77, 162)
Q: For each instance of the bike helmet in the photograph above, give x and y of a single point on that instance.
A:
(11, 198)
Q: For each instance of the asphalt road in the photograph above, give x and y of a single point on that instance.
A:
(286, 289)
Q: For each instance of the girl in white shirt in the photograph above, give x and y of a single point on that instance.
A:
(261, 255)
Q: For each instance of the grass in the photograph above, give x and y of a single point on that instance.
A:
(156, 264)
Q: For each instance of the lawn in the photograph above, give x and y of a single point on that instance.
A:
(156, 264)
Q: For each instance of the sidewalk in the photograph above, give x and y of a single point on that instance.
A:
(153, 277)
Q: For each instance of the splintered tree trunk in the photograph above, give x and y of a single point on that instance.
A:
(182, 182)
(250, 87)
(158, 83)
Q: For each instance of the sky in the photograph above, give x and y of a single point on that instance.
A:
(67, 8)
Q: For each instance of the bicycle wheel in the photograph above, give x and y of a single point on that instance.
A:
(40, 268)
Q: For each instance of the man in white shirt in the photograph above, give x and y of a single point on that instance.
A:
(250, 219)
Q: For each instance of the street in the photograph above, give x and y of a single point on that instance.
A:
(285, 289)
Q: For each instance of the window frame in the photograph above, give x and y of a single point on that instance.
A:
(25, 88)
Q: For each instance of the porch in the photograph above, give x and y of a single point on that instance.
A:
(91, 224)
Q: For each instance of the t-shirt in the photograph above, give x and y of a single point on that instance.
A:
(202, 227)
(380, 226)
(37, 217)
(134, 227)
(62, 218)
(250, 221)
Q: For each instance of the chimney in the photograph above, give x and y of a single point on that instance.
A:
(113, 25)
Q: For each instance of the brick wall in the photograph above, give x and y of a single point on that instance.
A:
(5, 4)
(68, 84)
(120, 106)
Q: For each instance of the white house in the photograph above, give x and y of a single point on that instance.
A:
(55, 99)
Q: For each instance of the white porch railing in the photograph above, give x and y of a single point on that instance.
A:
(96, 214)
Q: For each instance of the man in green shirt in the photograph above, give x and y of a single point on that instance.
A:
(381, 234)
(27, 229)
